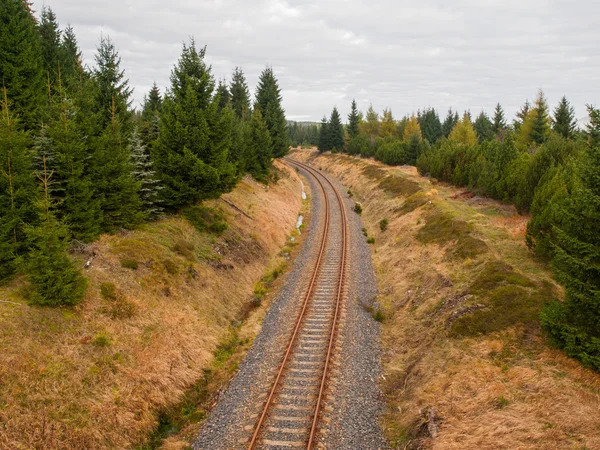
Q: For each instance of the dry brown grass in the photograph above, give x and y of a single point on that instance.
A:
(95, 376)
(500, 387)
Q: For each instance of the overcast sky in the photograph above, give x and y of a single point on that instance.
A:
(464, 54)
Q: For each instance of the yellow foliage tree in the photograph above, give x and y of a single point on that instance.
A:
(412, 128)
(370, 126)
(387, 128)
(463, 132)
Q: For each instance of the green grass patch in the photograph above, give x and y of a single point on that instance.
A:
(206, 219)
(129, 263)
(509, 299)
(442, 227)
(398, 185)
(413, 202)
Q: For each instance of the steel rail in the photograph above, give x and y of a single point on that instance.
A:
(290, 346)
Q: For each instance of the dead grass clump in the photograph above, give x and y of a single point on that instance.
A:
(171, 266)
(398, 185)
(373, 172)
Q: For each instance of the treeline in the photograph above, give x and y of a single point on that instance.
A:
(541, 162)
(76, 160)
(303, 134)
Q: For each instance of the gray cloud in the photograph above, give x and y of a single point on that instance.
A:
(466, 54)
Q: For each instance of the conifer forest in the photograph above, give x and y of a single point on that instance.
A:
(542, 162)
(78, 160)
(175, 241)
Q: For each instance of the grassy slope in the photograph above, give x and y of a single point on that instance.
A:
(96, 375)
(460, 296)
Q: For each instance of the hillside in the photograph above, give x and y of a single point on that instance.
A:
(466, 364)
(160, 299)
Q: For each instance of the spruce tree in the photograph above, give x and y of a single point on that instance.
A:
(521, 116)
(53, 276)
(240, 95)
(21, 64)
(50, 44)
(149, 129)
(541, 121)
(431, 127)
(71, 63)
(353, 121)
(192, 153)
(575, 324)
(112, 96)
(78, 207)
(499, 121)
(223, 94)
(324, 140)
(564, 122)
(259, 147)
(17, 188)
(336, 131)
(484, 127)
(143, 170)
(114, 181)
(449, 123)
(268, 100)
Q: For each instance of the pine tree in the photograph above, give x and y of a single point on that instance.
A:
(53, 276)
(17, 188)
(430, 124)
(191, 155)
(112, 96)
(268, 100)
(387, 127)
(259, 147)
(50, 43)
(149, 129)
(499, 121)
(449, 123)
(564, 122)
(541, 121)
(413, 149)
(77, 206)
(324, 140)
(143, 170)
(484, 127)
(593, 127)
(21, 70)
(521, 116)
(370, 126)
(336, 131)
(71, 63)
(240, 95)
(223, 94)
(575, 324)
(353, 121)
(114, 182)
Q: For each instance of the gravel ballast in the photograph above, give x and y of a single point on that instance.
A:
(354, 403)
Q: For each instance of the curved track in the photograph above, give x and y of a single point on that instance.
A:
(291, 414)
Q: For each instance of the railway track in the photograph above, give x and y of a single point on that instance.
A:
(292, 412)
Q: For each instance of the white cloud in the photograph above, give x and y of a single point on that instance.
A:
(467, 54)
